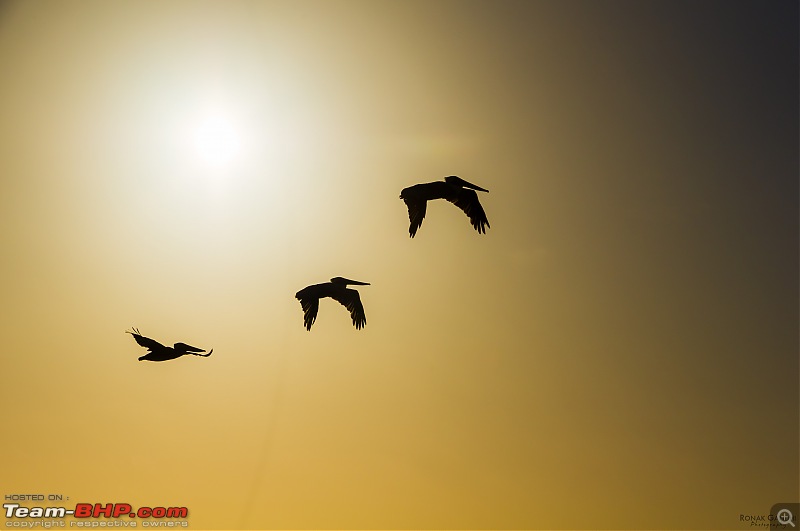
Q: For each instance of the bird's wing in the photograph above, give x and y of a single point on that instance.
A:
(416, 213)
(146, 342)
(467, 200)
(350, 299)
(310, 306)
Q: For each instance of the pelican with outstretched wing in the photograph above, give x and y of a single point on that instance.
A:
(158, 352)
(454, 189)
(337, 290)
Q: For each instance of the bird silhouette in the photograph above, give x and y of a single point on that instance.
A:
(337, 290)
(158, 352)
(456, 190)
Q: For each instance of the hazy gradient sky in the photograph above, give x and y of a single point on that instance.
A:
(619, 351)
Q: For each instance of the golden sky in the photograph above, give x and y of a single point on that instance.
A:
(619, 351)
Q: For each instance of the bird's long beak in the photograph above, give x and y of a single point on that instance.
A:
(466, 184)
(357, 283)
(183, 347)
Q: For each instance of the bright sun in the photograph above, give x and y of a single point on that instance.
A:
(217, 140)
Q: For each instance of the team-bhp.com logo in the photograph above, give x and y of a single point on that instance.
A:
(96, 510)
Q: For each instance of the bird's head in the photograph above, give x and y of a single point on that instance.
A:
(345, 281)
(458, 181)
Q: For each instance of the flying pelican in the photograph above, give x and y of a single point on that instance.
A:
(158, 352)
(337, 290)
(454, 189)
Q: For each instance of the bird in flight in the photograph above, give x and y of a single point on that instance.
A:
(454, 189)
(158, 352)
(337, 290)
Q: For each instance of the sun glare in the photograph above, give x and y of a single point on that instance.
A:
(217, 140)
